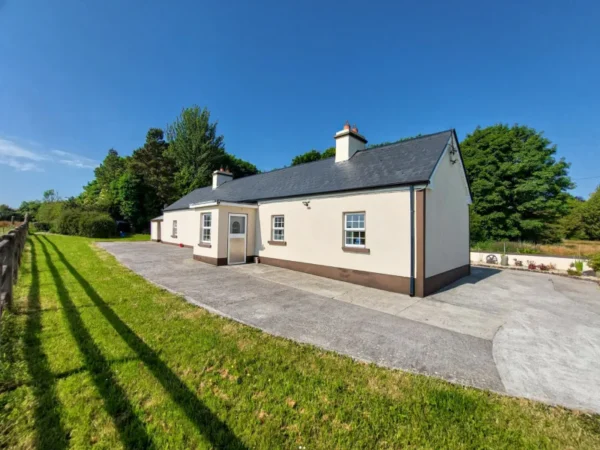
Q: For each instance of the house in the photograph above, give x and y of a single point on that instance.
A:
(395, 217)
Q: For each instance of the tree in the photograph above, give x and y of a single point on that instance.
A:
(583, 220)
(310, 156)
(519, 188)
(30, 207)
(195, 147)
(102, 193)
(155, 169)
(328, 153)
(238, 167)
(51, 196)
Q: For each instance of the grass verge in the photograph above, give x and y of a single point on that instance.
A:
(93, 355)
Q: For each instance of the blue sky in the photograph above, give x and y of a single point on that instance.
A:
(77, 78)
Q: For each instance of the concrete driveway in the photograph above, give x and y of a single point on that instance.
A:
(528, 335)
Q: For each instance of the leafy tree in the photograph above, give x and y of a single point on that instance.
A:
(195, 147)
(30, 207)
(238, 167)
(519, 188)
(583, 220)
(132, 199)
(328, 153)
(102, 193)
(51, 196)
(310, 156)
(155, 170)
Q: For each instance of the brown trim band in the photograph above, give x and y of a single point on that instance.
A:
(174, 243)
(277, 242)
(211, 260)
(437, 282)
(420, 289)
(391, 283)
(356, 250)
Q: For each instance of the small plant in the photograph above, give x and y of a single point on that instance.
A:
(573, 272)
(518, 262)
(551, 266)
(531, 265)
(578, 264)
(543, 267)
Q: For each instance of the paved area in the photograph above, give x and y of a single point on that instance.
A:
(528, 335)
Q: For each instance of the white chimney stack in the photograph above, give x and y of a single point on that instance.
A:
(348, 142)
(221, 176)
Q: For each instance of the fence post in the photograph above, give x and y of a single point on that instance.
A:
(7, 285)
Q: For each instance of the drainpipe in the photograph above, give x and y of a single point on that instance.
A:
(412, 241)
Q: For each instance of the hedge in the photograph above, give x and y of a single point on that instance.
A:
(97, 225)
(84, 223)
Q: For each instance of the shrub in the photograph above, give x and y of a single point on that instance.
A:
(97, 225)
(578, 266)
(531, 265)
(543, 267)
(68, 222)
(41, 226)
(573, 272)
(594, 263)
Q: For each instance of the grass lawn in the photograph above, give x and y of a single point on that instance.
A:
(93, 355)
(567, 248)
(129, 238)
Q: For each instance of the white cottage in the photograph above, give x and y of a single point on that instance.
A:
(394, 217)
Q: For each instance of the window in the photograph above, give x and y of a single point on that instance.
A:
(354, 230)
(206, 227)
(278, 228)
(174, 229)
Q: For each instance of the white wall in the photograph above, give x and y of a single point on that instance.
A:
(447, 218)
(154, 226)
(561, 263)
(188, 227)
(315, 234)
(211, 252)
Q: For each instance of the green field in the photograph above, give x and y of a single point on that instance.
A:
(93, 355)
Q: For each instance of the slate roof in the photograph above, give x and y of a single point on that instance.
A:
(404, 163)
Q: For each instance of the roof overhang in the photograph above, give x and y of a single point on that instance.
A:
(220, 203)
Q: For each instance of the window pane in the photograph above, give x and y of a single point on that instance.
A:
(206, 235)
(355, 238)
(278, 235)
(207, 220)
(354, 221)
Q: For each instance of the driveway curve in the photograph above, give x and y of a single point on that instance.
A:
(529, 335)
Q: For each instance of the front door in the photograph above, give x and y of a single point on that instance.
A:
(158, 228)
(236, 252)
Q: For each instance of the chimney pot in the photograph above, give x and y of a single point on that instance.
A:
(354, 129)
(347, 125)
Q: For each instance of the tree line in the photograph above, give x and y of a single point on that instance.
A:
(520, 189)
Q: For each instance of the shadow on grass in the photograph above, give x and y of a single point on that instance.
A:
(131, 430)
(48, 427)
(209, 425)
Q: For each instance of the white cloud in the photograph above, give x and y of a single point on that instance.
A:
(73, 160)
(22, 159)
(21, 166)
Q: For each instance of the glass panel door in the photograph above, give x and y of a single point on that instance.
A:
(236, 253)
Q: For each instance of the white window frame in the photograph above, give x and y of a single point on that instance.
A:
(204, 227)
(363, 229)
(274, 227)
(174, 230)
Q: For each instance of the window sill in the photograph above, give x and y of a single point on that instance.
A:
(174, 237)
(277, 242)
(204, 244)
(356, 250)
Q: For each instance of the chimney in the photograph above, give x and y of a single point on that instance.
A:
(348, 142)
(221, 176)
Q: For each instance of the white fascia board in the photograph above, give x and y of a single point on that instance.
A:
(343, 194)
(218, 203)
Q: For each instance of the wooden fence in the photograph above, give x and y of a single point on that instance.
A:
(11, 250)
